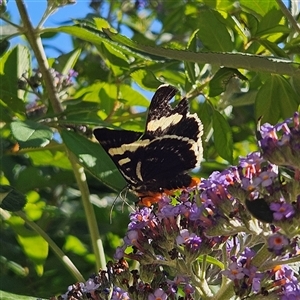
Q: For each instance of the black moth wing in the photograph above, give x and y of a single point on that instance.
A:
(159, 158)
(158, 164)
(112, 141)
(164, 120)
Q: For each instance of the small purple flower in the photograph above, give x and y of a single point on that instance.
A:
(188, 289)
(193, 243)
(250, 185)
(253, 158)
(282, 210)
(119, 252)
(235, 271)
(119, 294)
(267, 178)
(249, 253)
(158, 294)
(183, 237)
(277, 243)
(256, 285)
(91, 286)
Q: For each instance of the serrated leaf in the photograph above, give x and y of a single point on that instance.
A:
(66, 62)
(30, 134)
(145, 79)
(276, 98)
(95, 159)
(222, 136)
(231, 60)
(95, 36)
(114, 59)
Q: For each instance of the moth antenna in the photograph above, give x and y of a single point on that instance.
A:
(125, 189)
(112, 208)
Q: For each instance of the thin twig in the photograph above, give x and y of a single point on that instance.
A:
(289, 16)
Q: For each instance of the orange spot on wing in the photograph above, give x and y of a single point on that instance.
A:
(194, 182)
(150, 198)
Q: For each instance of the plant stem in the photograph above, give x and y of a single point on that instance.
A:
(64, 258)
(89, 212)
(34, 39)
(35, 42)
(11, 23)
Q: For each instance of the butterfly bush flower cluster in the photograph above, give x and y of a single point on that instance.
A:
(60, 81)
(237, 233)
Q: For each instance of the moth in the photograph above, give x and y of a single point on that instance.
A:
(157, 160)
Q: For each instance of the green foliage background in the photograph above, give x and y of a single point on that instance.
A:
(236, 61)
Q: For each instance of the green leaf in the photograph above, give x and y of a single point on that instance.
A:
(101, 23)
(75, 245)
(13, 64)
(50, 157)
(108, 95)
(96, 37)
(224, 5)
(192, 69)
(259, 7)
(4, 46)
(114, 58)
(273, 48)
(219, 82)
(34, 246)
(9, 296)
(222, 136)
(242, 99)
(145, 79)
(269, 20)
(30, 134)
(250, 21)
(211, 260)
(66, 62)
(295, 81)
(94, 158)
(231, 60)
(212, 39)
(275, 99)
(132, 97)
